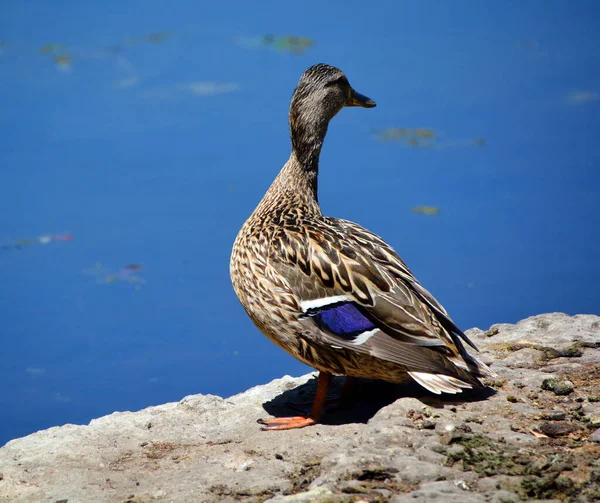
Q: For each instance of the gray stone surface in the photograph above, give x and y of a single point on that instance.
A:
(514, 441)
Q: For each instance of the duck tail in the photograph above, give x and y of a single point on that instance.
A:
(467, 376)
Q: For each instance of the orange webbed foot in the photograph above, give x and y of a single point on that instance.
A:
(286, 423)
(291, 423)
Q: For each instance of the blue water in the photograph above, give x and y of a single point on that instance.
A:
(153, 153)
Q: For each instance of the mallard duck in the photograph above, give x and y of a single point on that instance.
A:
(329, 292)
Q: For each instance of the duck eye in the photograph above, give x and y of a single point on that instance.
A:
(340, 81)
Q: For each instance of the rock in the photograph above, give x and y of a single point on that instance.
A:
(558, 428)
(314, 495)
(559, 387)
(554, 415)
(509, 442)
(446, 491)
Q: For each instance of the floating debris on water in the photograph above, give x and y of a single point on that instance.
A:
(63, 63)
(65, 56)
(39, 240)
(107, 276)
(199, 88)
(581, 97)
(52, 48)
(529, 44)
(127, 83)
(287, 44)
(155, 38)
(424, 133)
(150, 38)
(418, 137)
(426, 210)
(424, 138)
(295, 45)
(61, 59)
(210, 88)
(35, 371)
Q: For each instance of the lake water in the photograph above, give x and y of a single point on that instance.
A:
(137, 138)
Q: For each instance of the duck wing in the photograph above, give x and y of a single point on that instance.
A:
(361, 296)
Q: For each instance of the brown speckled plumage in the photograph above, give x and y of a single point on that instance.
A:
(288, 257)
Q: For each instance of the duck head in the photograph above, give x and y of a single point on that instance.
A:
(322, 91)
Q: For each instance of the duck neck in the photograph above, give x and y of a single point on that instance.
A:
(307, 139)
(306, 148)
(304, 175)
(297, 183)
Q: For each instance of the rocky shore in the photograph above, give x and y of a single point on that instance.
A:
(532, 434)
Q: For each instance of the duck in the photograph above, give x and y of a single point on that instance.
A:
(329, 292)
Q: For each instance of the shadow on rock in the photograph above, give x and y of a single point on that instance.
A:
(368, 397)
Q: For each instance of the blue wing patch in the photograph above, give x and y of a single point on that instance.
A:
(342, 319)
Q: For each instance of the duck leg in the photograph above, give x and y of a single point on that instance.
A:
(330, 403)
(290, 423)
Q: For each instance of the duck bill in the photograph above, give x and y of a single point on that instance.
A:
(360, 100)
